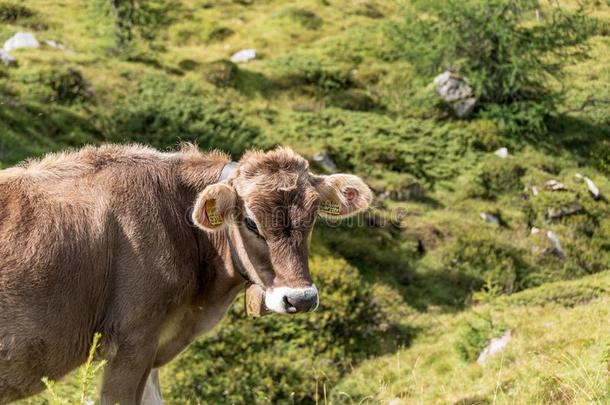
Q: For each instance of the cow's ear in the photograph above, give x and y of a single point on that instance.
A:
(214, 207)
(343, 195)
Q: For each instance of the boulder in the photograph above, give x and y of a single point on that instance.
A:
(21, 40)
(454, 90)
(244, 55)
(495, 345)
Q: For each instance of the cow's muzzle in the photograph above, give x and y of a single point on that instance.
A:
(292, 300)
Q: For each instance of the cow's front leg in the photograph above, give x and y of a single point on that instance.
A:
(152, 391)
(126, 374)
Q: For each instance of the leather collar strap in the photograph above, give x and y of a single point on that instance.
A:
(224, 176)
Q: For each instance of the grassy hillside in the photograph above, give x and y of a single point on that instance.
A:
(416, 290)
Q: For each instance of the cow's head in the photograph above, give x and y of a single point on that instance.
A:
(268, 207)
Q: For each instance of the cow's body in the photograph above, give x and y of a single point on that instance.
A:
(99, 241)
(149, 249)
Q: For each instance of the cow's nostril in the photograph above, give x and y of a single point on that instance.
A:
(290, 307)
(301, 303)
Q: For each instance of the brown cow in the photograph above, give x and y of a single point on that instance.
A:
(149, 249)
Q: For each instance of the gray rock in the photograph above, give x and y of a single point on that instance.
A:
(21, 40)
(593, 189)
(325, 162)
(455, 90)
(452, 87)
(495, 345)
(502, 153)
(7, 59)
(555, 185)
(535, 190)
(244, 55)
(491, 218)
(550, 243)
(55, 44)
(560, 212)
(464, 108)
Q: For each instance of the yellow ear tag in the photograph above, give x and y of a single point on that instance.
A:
(210, 210)
(330, 207)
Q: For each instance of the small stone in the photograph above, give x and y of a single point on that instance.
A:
(558, 250)
(555, 185)
(560, 212)
(592, 188)
(535, 190)
(491, 218)
(578, 177)
(395, 401)
(7, 58)
(55, 44)
(495, 345)
(243, 56)
(325, 162)
(502, 153)
(21, 40)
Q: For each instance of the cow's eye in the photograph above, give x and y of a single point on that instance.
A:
(252, 226)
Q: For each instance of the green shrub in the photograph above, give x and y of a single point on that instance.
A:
(282, 359)
(311, 69)
(496, 176)
(221, 73)
(351, 99)
(68, 86)
(12, 12)
(375, 144)
(307, 19)
(138, 21)
(162, 113)
(506, 56)
(488, 260)
(220, 34)
(475, 334)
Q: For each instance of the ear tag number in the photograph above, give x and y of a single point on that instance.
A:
(210, 210)
(330, 207)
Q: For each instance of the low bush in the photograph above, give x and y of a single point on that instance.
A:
(307, 19)
(284, 359)
(488, 261)
(221, 73)
(495, 177)
(312, 69)
(69, 86)
(475, 333)
(11, 12)
(376, 144)
(162, 113)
